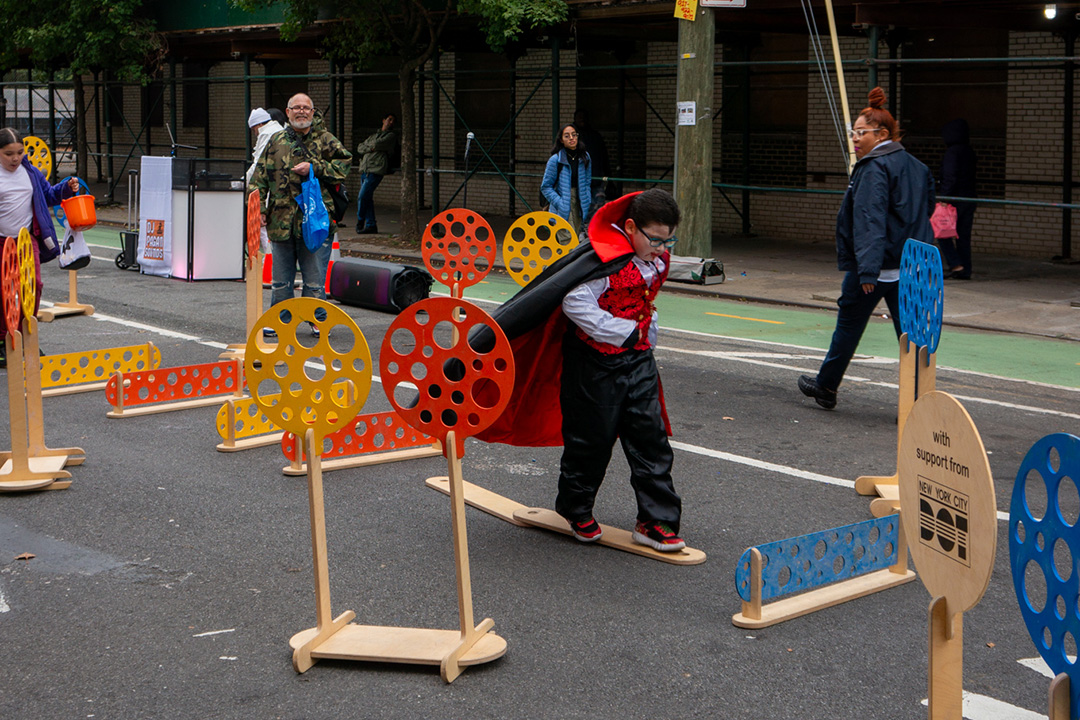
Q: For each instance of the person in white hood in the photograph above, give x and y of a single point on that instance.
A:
(260, 120)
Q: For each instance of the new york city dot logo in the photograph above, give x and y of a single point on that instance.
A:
(943, 520)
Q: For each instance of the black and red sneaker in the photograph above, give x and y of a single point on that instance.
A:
(657, 535)
(586, 530)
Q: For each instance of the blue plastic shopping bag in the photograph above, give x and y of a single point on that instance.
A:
(316, 226)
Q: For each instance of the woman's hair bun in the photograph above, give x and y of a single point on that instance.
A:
(877, 98)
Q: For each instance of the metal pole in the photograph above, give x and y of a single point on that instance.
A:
(513, 135)
(331, 121)
(97, 123)
(247, 101)
(840, 82)
(435, 198)
(873, 34)
(108, 137)
(52, 115)
(420, 117)
(1067, 148)
(746, 141)
(555, 87)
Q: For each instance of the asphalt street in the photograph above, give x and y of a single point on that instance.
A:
(167, 581)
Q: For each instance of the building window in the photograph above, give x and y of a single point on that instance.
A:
(196, 101)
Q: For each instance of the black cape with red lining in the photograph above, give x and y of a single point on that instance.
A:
(534, 323)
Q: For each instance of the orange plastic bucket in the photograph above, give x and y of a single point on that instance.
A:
(80, 212)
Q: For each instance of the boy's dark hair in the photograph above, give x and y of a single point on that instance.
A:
(278, 116)
(654, 206)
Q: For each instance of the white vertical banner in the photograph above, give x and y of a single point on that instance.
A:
(155, 216)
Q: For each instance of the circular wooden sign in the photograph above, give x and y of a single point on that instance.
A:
(254, 225)
(458, 248)
(293, 393)
(9, 281)
(533, 242)
(947, 502)
(463, 385)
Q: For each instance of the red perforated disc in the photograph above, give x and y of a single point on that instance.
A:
(461, 389)
(253, 226)
(9, 284)
(458, 248)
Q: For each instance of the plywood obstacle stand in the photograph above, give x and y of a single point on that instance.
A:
(90, 370)
(1043, 548)
(453, 242)
(534, 241)
(30, 464)
(945, 474)
(242, 425)
(253, 282)
(825, 568)
(368, 439)
(173, 388)
(71, 306)
(309, 406)
(922, 303)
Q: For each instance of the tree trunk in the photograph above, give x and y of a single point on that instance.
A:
(82, 149)
(410, 208)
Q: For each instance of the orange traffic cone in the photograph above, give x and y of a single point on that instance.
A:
(335, 255)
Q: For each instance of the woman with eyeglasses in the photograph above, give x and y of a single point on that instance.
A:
(889, 199)
(567, 183)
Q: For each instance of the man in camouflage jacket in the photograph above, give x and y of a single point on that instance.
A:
(285, 163)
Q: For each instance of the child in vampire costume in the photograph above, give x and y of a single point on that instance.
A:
(583, 335)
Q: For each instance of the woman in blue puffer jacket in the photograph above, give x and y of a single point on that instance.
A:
(568, 179)
(25, 199)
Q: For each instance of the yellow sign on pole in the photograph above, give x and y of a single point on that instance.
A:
(686, 9)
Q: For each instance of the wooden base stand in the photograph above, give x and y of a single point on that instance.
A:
(338, 639)
(30, 465)
(917, 377)
(254, 308)
(71, 307)
(946, 662)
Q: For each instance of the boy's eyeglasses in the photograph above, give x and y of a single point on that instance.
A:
(657, 242)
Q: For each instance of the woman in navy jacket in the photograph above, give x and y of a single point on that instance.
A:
(25, 199)
(889, 199)
(568, 178)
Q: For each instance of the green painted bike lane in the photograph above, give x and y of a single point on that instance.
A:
(1024, 357)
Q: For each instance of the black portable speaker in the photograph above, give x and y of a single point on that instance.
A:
(378, 285)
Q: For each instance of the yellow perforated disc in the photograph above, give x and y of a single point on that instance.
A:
(535, 241)
(294, 395)
(27, 273)
(39, 154)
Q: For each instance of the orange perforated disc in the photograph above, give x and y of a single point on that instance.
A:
(27, 273)
(458, 248)
(253, 226)
(463, 386)
(9, 284)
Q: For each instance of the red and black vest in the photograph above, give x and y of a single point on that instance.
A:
(627, 296)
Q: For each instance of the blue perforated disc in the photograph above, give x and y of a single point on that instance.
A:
(922, 294)
(1043, 551)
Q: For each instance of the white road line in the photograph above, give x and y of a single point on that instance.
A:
(215, 632)
(780, 469)
(752, 359)
(1039, 665)
(981, 707)
(4, 607)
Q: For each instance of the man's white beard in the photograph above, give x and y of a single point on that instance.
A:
(300, 124)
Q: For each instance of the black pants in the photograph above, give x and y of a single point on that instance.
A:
(604, 397)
